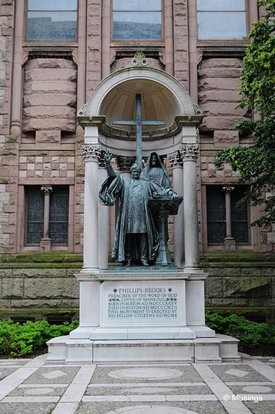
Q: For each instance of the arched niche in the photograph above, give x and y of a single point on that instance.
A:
(163, 98)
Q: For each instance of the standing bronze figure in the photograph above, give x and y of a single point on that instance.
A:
(136, 238)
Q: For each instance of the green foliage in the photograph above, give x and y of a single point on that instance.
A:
(251, 333)
(255, 164)
(18, 340)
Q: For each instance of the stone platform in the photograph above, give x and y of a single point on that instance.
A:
(138, 314)
(221, 348)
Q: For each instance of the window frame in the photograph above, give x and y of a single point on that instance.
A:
(220, 246)
(227, 41)
(22, 217)
(52, 222)
(44, 42)
(142, 41)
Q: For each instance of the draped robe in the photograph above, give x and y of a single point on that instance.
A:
(134, 215)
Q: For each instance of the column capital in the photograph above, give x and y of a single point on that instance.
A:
(189, 152)
(46, 189)
(91, 152)
(228, 188)
(175, 159)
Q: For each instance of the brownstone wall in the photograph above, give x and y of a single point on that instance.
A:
(93, 45)
(181, 44)
(41, 292)
(43, 164)
(49, 98)
(219, 80)
(8, 143)
(49, 149)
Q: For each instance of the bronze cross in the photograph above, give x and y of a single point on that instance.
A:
(138, 122)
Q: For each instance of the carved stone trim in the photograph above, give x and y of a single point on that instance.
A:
(189, 151)
(46, 189)
(101, 160)
(91, 152)
(82, 110)
(175, 159)
(197, 110)
(228, 189)
(139, 59)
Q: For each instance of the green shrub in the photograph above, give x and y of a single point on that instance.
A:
(250, 333)
(18, 340)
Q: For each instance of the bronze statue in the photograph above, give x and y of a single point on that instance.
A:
(155, 171)
(136, 238)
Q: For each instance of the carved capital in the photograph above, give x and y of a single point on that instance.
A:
(175, 159)
(91, 152)
(189, 151)
(228, 189)
(101, 159)
(46, 189)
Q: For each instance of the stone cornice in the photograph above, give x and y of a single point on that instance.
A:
(84, 120)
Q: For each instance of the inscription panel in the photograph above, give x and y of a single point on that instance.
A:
(143, 303)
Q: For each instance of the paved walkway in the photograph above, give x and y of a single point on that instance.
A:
(36, 386)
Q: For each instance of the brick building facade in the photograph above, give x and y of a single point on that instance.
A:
(54, 55)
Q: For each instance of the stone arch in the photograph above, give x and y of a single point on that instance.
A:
(183, 99)
(171, 103)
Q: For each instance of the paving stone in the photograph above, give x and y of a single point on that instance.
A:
(37, 391)
(18, 362)
(4, 372)
(262, 407)
(171, 374)
(252, 389)
(137, 389)
(147, 373)
(148, 389)
(55, 375)
(29, 408)
(234, 373)
(113, 408)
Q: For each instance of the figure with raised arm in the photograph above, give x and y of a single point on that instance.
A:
(136, 238)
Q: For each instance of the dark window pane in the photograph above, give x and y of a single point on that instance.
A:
(52, 26)
(137, 25)
(216, 232)
(34, 215)
(59, 208)
(52, 5)
(239, 216)
(216, 215)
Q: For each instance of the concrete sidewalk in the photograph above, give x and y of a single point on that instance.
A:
(36, 386)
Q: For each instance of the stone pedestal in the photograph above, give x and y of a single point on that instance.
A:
(141, 315)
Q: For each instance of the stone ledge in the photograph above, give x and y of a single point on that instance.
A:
(219, 349)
